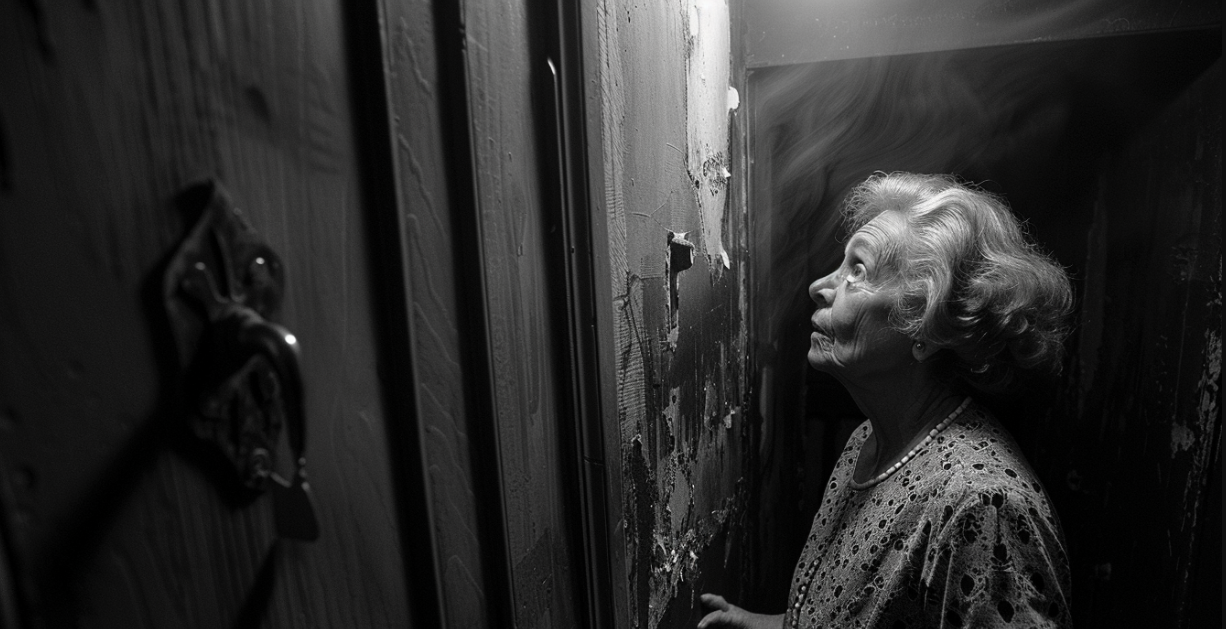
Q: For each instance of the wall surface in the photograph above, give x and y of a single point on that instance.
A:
(674, 184)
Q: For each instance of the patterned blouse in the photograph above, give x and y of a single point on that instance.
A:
(961, 536)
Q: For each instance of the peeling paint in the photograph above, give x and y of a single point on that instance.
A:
(707, 106)
(677, 555)
(670, 415)
(680, 257)
(711, 402)
(1210, 384)
(1208, 392)
(681, 252)
(1209, 387)
(1182, 438)
(679, 318)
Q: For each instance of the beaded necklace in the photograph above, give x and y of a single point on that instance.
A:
(911, 453)
(810, 570)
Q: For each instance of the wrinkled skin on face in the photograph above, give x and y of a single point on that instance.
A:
(852, 338)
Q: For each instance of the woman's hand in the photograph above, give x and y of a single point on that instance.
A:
(729, 615)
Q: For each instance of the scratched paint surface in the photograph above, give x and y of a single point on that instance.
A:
(708, 65)
(678, 271)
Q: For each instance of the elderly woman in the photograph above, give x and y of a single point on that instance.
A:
(932, 516)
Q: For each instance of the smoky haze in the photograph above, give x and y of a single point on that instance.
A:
(1031, 122)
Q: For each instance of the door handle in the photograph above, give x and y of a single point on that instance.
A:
(242, 376)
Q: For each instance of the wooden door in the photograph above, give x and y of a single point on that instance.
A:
(107, 111)
(473, 97)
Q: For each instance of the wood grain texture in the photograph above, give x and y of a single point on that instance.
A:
(418, 98)
(112, 110)
(679, 331)
(507, 99)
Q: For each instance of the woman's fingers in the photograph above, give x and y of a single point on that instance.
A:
(728, 615)
(720, 618)
(714, 600)
(725, 614)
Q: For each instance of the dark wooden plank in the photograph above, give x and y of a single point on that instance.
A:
(114, 109)
(485, 235)
(420, 98)
(510, 93)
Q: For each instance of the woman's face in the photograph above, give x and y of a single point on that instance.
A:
(852, 337)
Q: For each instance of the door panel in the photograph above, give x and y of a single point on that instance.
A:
(433, 175)
(518, 233)
(114, 516)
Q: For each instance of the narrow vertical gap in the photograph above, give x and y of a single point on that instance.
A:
(549, 104)
(558, 54)
(387, 256)
(451, 43)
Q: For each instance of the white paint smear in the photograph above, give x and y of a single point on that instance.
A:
(1181, 439)
(707, 104)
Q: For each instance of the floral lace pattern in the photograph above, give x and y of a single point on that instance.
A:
(961, 536)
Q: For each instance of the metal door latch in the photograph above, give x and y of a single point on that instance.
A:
(243, 384)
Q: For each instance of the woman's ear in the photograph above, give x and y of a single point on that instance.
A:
(922, 351)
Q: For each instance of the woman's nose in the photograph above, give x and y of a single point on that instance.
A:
(821, 291)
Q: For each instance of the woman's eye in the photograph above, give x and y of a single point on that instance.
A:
(856, 273)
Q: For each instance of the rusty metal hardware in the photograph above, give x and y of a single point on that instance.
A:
(222, 290)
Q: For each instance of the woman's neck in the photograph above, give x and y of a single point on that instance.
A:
(901, 411)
